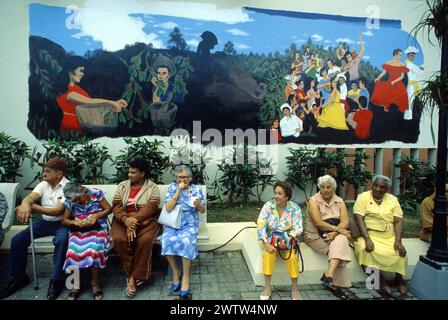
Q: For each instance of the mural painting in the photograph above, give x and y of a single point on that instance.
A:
(305, 78)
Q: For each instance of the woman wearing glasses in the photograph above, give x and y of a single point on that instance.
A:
(134, 228)
(182, 242)
(380, 220)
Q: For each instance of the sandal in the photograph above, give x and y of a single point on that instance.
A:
(98, 294)
(299, 297)
(73, 295)
(338, 292)
(139, 282)
(327, 281)
(130, 293)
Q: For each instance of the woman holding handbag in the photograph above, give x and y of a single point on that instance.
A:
(134, 228)
(327, 233)
(182, 242)
(279, 226)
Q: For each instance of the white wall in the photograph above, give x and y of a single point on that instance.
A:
(14, 58)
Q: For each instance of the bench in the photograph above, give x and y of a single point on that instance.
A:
(45, 244)
(315, 264)
(9, 190)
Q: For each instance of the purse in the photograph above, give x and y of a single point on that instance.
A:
(171, 219)
(282, 241)
(333, 222)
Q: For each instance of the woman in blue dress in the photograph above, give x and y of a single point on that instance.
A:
(182, 242)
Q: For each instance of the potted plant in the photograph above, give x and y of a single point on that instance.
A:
(12, 154)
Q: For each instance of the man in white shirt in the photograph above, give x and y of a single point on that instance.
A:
(50, 192)
(290, 125)
(414, 74)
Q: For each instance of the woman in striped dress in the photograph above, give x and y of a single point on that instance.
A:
(85, 214)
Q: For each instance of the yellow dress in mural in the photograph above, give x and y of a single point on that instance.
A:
(384, 256)
(333, 114)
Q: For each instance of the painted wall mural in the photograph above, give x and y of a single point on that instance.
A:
(306, 78)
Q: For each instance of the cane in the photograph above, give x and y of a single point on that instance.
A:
(33, 254)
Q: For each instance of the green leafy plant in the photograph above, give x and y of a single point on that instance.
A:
(85, 159)
(182, 152)
(12, 154)
(243, 171)
(305, 166)
(357, 175)
(149, 150)
(416, 182)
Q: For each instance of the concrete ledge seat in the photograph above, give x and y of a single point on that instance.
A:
(315, 264)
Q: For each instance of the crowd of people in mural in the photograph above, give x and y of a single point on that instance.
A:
(76, 216)
(334, 94)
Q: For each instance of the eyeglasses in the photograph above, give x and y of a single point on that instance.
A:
(182, 177)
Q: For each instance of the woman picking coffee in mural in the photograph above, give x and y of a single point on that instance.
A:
(333, 114)
(69, 95)
(392, 91)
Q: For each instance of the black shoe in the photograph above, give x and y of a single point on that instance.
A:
(327, 281)
(54, 289)
(15, 284)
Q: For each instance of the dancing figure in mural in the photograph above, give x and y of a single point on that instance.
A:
(392, 91)
(333, 114)
(414, 74)
(70, 96)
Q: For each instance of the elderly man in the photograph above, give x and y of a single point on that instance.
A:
(50, 192)
(290, 125)
(414, 74)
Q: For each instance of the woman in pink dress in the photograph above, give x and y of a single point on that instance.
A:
(392, 91)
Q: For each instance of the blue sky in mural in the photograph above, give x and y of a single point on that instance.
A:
(265, 31)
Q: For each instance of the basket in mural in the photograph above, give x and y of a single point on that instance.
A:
(92, 119)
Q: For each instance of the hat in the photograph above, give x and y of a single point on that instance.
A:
(285, 105)
(411, 49)
(164, 61)
(55, 163)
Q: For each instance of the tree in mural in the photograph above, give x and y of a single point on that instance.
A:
(177, 40)
(229, 48)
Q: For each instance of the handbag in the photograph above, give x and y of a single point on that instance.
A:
(333, 222)
(282, 241)
(171, 218)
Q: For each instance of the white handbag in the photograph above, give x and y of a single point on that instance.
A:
(171, 219)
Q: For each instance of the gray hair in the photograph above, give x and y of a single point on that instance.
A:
(72, 190)
(182, 168)
(381, 177)
(327, 179)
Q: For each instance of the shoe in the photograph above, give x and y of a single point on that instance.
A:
(54, 289)
(175, 287)
(15, 284)
(98, 294)
(267, 297)
(327, 281)
(185, 295)
(338, 292)
(297, 297)
(130, 293)
(73, 295)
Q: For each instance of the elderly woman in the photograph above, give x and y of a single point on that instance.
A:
(327, 233)
(280, 215)
(134, 228)
(182, 242)
(380, 220)
(85, 214)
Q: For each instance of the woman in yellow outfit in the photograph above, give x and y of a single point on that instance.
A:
(284, 216)
(380, 220)
(333, 113)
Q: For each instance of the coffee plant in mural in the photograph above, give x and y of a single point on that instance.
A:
(141, 71)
